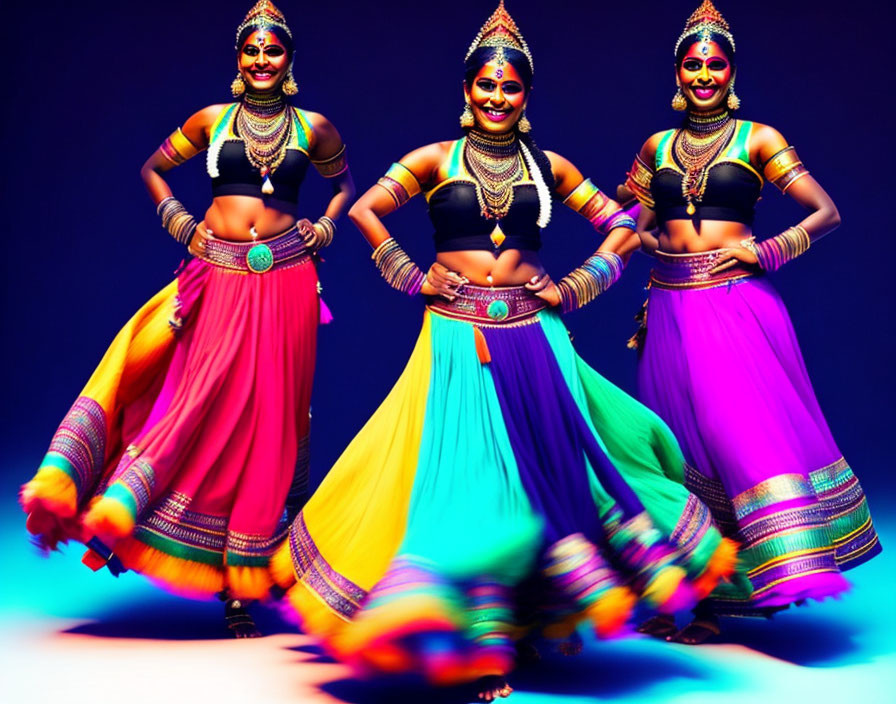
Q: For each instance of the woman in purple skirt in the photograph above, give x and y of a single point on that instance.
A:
(759, 451)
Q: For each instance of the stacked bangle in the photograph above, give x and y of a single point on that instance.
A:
(603, 213)
(325, 229)
(583, 285)
(397, 268)
(774, 252)
(175, 218)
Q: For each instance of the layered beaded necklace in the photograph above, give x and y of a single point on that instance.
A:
(696, 147)
(495, 163)
(264, 125)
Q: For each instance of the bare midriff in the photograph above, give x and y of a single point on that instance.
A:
(512, 267)
(232, 218)
(681, 237)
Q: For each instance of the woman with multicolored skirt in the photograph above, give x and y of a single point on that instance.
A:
(720, 362)
(191, 437)
(503, 484)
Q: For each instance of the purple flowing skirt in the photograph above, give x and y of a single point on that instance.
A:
(721, 365)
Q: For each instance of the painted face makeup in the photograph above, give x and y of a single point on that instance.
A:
(497, 96)
(705, 75)
(263, 61)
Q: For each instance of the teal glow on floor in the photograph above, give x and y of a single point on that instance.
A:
(64, 630)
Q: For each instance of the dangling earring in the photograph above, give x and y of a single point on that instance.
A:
(679, 103)
(466, 117)
(733, 100)
(238, 87)
(523, 124)
(289, 86)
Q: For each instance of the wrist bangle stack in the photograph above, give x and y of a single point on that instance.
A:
(775, 252)
(583, 285)
(397, 268)
(325, 229)
(175, 218)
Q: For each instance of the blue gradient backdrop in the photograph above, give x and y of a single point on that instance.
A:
(92, 88)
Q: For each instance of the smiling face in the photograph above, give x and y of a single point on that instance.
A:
(263, 61)
(705, 74)
(497, 96)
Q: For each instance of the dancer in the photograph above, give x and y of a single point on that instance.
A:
(191, 437)
(720, 362)
(485, 495)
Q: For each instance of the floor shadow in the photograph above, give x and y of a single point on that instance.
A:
(798, 638)
(174, 619)
(598, 672)
(318, 654)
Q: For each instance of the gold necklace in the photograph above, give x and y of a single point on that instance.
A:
(264, 125)
(695, 152)
(495, 163)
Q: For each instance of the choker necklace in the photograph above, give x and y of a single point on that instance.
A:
(494, 162)
(696, 147)
(702, 124)
(263, 123)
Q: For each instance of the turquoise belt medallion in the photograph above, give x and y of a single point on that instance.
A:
(260, 258)
(498, 310)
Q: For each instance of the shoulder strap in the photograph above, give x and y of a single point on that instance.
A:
(739, 147)
(223, 124)
(303, 132)
(664, 151)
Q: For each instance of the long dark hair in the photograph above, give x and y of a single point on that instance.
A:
(520, 62)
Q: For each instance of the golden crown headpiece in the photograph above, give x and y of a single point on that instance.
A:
(263, 15)
(500, 30)
(705, 21)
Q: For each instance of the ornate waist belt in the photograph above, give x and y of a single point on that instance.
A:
(691, 271)
(483, 305)
(286, 249)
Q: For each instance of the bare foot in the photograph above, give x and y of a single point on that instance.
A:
(493, 687)
(239, 621)
(697, 631)
(659, 626)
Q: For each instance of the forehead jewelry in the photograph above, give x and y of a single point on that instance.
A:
(501, 31)
(703, 23)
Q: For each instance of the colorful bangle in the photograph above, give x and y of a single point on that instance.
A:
(325, 229)
(397, 268)
(332, 166)
(775, 252)
(177, 148)
(639, 180)
(400, 183)
(583, 285)
(784, 168)
(175, 218)
(603, 213)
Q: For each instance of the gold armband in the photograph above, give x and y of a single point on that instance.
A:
(784, 168)
(603, 213)
(401, 183)
(333, 166)
(177, 148)
(638, 182)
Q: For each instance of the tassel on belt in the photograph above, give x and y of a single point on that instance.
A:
(489, 306)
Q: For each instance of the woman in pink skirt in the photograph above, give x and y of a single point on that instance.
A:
(190, 440)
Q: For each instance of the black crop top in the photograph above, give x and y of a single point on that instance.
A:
(732, 184)
(459, 224)
(731, 194)
(237, 176)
